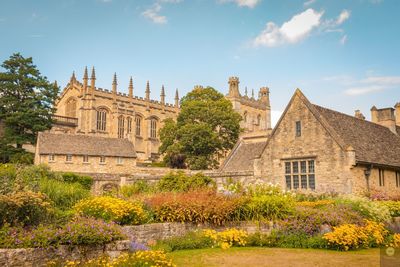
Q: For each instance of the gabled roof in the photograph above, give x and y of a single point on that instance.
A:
(64, 144)
(372, 143)
(242, 156)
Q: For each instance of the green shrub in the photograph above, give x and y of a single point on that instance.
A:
(25, 208)
(89, 231)
(85, 181)
(25, 158)
(136, 188)
(8, 173)
(81, 231)
(191, 240)
(369, 209)
(393, 206)
(258, 190)
(112, 209)
(64, 195)
(266, 207)
(28, 177)
(180, 182)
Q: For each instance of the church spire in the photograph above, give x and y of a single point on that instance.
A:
(130, 87)
(92, 81)
(162, 96)
(114, 84)
(176, 98)
(148, 91)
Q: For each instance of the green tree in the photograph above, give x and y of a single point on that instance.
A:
(206, 128)
(26, 104)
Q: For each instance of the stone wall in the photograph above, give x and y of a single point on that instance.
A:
(150, 232)
(35, 257)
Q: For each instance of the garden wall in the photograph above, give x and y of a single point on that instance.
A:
(150, 232)
(35, 257)
(108, 181)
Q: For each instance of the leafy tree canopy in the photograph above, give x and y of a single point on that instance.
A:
(206, 128)
(26, 104)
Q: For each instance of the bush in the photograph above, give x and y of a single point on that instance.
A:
(269, 189)
(195, 207)
(180, 182)
(89, 231)
(25, 208)
(28, 177)
(85, 181)
(308, 221)
(8, 173)
(350, 236)
(136, 188)
(191, 240)
(227, 238)
(64, 195)
(266, 207)
(393, 206)
(25, 158)
(369, 209)
(111, 209)
(82, 231)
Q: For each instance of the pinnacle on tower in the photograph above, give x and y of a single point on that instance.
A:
(85, 81)
(93, 76)
(85, 74)
(55, 83)
(73, 78)
(234, 87)
(252, 93)
(162, 95)
(92, 81)
(148, 91)
(130, 87)
(114, 84)
(176, 98)
(245, 91)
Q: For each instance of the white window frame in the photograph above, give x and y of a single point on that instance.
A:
(85, 159)
(120, 160)
(52, 158)
(68, 158)
(300, 174)
(102, 160)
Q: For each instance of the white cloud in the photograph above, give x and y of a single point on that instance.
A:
(292, 31)
(343, 40)
(309, 2)
(373, 84)
(242, 3)
(153, 14)
(344, 15)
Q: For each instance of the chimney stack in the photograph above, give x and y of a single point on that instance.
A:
(397, 107)
(384, 117)
(359, 115)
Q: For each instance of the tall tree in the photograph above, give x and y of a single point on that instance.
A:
(206, 128)
(26, 102)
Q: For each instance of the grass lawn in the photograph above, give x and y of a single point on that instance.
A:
(274, 257)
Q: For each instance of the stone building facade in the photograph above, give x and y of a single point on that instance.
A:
(85, 109)
(314, 148)
(85, 154)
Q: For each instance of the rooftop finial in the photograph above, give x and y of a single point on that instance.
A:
(55, 83)
(176, 98)
(130, 87)
(162, 95)
(73, 78)
(245, 91)
(148, 91)
(114, 84)
(93, 76)
(252, 93)
(85, 74)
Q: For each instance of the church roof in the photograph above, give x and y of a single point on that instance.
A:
(242, 156)
(373, 143)
(64, 144)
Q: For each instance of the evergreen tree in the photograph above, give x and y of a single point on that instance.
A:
(26, 104)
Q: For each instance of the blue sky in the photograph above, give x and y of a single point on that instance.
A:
(343, 54)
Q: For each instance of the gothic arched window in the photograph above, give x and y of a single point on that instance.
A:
(121, 126)
(70, 108)
(245, 116)
(153, 128)
(138, 122)
(129, 125)
(101, 120)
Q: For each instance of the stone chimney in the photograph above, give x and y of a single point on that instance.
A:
(359, 115)
(397, 107)
(384, 117)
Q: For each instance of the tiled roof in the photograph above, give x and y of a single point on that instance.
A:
(372, 142)
(242, 156)
(63, 144)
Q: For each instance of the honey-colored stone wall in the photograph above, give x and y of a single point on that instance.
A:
(332, 164)
(93, 166)
(360, 185)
